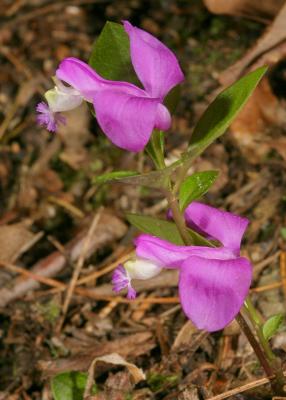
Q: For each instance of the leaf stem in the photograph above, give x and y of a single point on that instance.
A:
(178, 217)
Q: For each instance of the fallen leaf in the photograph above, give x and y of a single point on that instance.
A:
(15, 239)
(274, 35)
(133, 345)
(263, 9)
(250, 128)
(113, 359)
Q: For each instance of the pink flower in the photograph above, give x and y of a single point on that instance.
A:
(126, 113)
(213, 281)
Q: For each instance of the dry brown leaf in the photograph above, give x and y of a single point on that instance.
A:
(15, 239)
(261, 111)
(189, 394)
(128, 346)
(274, 35)
(263, 9)
(279, 145)
(185, 335)
(113, 359)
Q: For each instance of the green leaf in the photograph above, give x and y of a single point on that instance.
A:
(172, 98)
(271, 326)
(222, 111)
(113, 176)
(195, 186)
(110, 55)
(69, 386)
(163, 229)
(154, 179)
(158, 227)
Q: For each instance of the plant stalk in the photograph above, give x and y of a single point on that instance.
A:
(275, 362)
(178, 217)
(255, 345)
(269, 362)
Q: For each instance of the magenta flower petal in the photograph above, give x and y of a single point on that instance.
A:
(128, 121)
(213, 291)
(224, 226)
(169, 255)
(83, 78)
(156, 66)
(163, 118)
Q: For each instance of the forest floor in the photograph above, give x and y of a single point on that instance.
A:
(54, 219)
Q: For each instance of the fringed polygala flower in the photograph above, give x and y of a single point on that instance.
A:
(213, 281)
(126, 113)
(59, 99)
(133, 269)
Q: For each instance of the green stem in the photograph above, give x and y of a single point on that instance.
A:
(178, 217)
(255, 345)
(257, 324)
(270, 363)
(275, 362)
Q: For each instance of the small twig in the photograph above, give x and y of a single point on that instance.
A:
(264, 288)
(78, 267)
(259, 267)
(283, 271)
(240, 389)
(72, 209)
(32, 275)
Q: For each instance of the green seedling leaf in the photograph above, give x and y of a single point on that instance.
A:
(163, 229)
(110, 55)
(157, 381)
(222, 111)
(195, 186)
(271, 326)
(69, 386)
(113, 176)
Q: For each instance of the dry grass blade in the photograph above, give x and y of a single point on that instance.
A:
(79, 266)
(240, 389)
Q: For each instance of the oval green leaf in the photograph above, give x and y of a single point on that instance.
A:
(110, 55)
(222, 111)
(195, 186)
(163, 229)
(272, 325)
